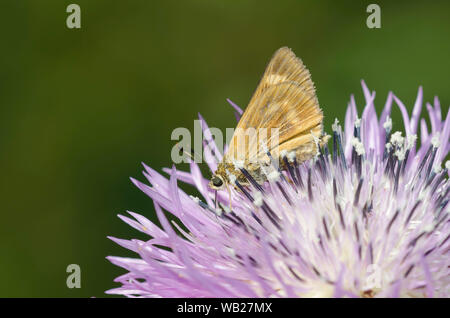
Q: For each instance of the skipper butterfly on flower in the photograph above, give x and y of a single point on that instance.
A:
(283, 121)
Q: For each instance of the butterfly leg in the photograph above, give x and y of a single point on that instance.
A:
(229, 195)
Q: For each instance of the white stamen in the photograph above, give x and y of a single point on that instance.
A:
(335, 126)
(258, 199)
(400, 153)
(388, 124)
(357, 122)
(195, 199)
(410, 141)
(437, 168)
(218, 212)
(359, 147)
(421, 195)
(397, 139)
(226, 208)
(316, 140)
(273, 176)
(388, 146)
(447, 165)
(291, 156)
(435, 140)
(232, 177)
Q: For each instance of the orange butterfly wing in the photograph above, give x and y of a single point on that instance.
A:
(285, 101)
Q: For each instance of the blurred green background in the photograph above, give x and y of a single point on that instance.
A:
(80, 109)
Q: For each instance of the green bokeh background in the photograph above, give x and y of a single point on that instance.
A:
(80, 109)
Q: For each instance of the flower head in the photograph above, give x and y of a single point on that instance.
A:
(369, 218)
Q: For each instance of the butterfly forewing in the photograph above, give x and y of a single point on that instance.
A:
(283, 67)
(283, 114)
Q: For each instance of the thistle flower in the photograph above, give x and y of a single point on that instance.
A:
(368, 219)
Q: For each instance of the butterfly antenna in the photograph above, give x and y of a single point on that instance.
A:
(188, 152)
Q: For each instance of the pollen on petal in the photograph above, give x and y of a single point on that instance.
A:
(258, 201)
(397, 139)
(274, 175)
(437, 168)
(387, 125)
(435, 140)
(410, 141)
(359, 147)
(335, 126)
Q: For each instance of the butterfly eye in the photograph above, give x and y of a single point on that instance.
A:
(216, 181)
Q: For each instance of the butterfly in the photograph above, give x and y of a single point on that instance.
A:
(282, 119)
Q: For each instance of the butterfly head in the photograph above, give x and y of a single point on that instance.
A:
(217, 182)
(220, 179)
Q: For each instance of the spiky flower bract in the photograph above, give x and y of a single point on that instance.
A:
(368, 219)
